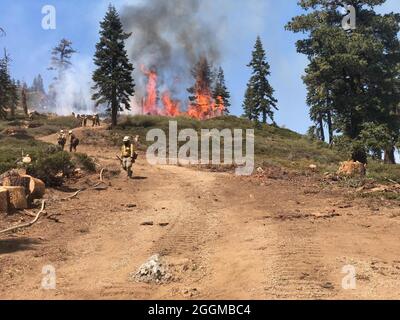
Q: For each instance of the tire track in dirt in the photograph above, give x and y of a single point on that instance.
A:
(298, 270)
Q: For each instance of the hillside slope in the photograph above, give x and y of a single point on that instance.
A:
(220, 236)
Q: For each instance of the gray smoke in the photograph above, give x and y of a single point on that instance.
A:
(170, 36)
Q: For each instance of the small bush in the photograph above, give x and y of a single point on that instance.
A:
(82, 160)
(52, 168)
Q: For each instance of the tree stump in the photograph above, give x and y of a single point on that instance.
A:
(18, 181)
(17, 198)
(4, 201)
(37, 188)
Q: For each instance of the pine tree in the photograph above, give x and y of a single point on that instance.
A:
(6, 86)
(113, 79)
(355, 70)
(24, 99)
(249, 105)
(203, 75)
(221, 91)
(13, 97)
(259, 95)
(60, 60)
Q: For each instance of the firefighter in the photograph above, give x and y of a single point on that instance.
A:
(128, 156)
(73, 142)
(97, 120)
(62, 139)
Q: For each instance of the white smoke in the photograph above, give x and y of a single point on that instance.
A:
(72, 92)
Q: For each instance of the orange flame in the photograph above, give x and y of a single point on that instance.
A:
(150, 101)
(171, 107)
(204, 106)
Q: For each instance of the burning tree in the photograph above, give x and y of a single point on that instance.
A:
(203, 105)
(113, 79)
(221, 94)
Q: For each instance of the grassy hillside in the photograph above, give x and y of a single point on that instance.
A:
(41, 125)
(274, 146)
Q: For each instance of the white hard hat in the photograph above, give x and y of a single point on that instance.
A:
(62, 131)
(70, 131)
(126, 139)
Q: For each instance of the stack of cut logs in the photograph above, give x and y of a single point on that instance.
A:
(17, 191)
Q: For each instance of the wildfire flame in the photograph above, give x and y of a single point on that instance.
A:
(204, 106)
(150, 101)
(171, 107)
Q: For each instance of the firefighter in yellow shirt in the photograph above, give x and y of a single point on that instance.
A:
(128, 156)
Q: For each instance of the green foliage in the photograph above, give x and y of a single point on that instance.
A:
(259, 99)
(8, 95)
(60, 61)
(221, 91)
(273, 144)
(52, 168)
(352, 77)
(113, 80)
(82, 160)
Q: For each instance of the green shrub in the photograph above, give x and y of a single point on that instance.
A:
(82, 160)
(52, 168)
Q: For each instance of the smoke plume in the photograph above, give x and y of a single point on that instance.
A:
(170, 37)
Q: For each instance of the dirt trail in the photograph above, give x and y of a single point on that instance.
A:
(224, 237)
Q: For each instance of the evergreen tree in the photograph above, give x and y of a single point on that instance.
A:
(351, 77)
(249, 105)
(37, 85)
(60, 60)
(24, 99)
(203, 75)
(13, 97)
(113, 79)
(221, 91)
(6, 86)
(259, 100)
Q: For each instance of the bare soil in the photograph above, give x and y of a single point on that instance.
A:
(221, 237)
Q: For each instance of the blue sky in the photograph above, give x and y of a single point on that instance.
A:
(30, 46)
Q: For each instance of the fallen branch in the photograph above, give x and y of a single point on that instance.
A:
(72, 196)
(101, 179)
(28, 213)
(26, 225)
(394, 182)
(101, 174)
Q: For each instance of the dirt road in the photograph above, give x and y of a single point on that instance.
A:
(224, 237)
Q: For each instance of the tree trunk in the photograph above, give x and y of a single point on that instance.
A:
(321, 128)
(24, 102)
(264, 116)
(114, 110)
(37, 188)
(17, 198)
(17, 181)
(12, 112)
(330, 127)
(389, 156)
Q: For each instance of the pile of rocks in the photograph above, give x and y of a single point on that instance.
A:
(154, 270)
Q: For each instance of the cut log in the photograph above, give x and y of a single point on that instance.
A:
(17, 198)
(37, 188)
(17, 181)
(8, 174)
(4, 201)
